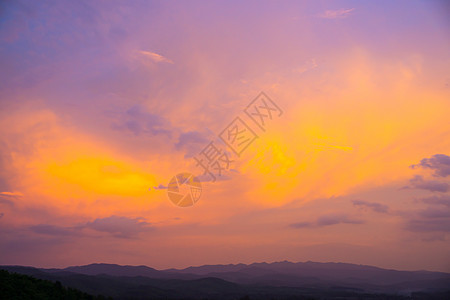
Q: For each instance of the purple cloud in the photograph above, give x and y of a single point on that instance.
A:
(301, 225)
(48, 229)
(434, 218)
(378, 207)
(332, 219)
(6, 201)
(440, 163)
(192, 142)
(430, 185)
(190, 137)
(160, 187)
(432, 213)
(428, 225)
(328, 220)
(121, 227)
(138, 121)
(438, 200)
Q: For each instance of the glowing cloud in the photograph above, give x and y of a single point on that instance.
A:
(155, 57)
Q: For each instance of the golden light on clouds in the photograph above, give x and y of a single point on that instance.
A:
(102, 107)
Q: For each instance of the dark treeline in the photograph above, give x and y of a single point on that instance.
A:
(17, 286)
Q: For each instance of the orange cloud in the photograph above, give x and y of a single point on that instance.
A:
(155, 57)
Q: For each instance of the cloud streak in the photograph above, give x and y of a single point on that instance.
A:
(438, 200)
(54, 230)
(160, 187)
(337, 14)
(116, 226)
(429, 225)
(7, 202)
(11, 194)
(377, 207)
(155, 57)
(120, 227)
(328, 220)
(430, 185)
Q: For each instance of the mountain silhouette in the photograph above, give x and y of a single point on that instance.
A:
(280, 280)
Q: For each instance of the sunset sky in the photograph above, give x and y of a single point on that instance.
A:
(103, 102)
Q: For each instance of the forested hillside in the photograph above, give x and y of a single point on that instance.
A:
(17, 286)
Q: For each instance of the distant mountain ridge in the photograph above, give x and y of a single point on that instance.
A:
(324, 271)
(113, 269)
(222, 281)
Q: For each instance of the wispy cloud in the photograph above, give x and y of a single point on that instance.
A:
(138, 121)
(155, 57)
(430, 219)
(430, 185)
(333, 219)
(427, 225)
(6, 201)
(307, 66)
(116, 226)
(328, 220)
(160, 187)
(191, 142)
(438, 200)
(54, 230)
(434, 218)
(336, 14)
(378, 207)
(11, 194)
(120, 227)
